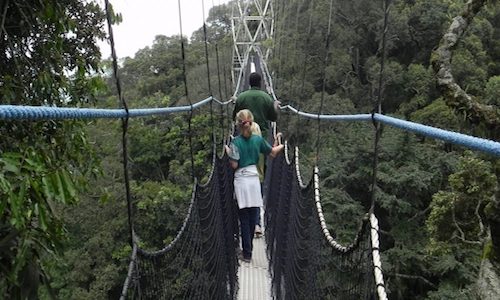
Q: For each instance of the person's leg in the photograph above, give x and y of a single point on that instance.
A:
(257, 222)
(260, 169)
(258, 227)
(253, 212)
(246, 232)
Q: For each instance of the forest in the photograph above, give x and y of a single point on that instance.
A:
(63, 213)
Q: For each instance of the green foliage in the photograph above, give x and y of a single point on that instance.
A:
(161, 211)
(468, 65)
(48, 56)
(458, 213)
(218, 25)
(437, 114)
(96, 255)
(37, 73)
(418, 84)
(455, 225)
(47, 60)
(492, 91)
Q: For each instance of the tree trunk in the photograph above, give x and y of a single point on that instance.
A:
(488, 284)
(454, 95)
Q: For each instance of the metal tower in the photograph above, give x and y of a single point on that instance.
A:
(252, 23)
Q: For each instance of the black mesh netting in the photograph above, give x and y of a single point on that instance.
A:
(303, 263)
(201, 262)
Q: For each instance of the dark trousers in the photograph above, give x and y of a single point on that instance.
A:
(248, 219)
(258, 208)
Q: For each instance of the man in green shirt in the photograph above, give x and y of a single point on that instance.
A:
(262, 106)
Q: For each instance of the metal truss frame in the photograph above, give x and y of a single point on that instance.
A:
(249, 40)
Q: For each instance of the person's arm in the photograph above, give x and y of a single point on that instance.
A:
(267, 149)
(233, 164)
(276, 150)
(232, 152)
(272, 109)
(277, 146)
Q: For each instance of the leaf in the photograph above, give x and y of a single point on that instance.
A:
(42, 217)
(69, 188)
(35, 165)
(47, 187)
(58, 187)
(10, 165)
(105, 197)
(3, 204)
(4, 184)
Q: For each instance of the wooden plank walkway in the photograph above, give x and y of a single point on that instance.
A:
(254, 280)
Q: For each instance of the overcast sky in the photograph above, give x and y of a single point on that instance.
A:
(144, 19)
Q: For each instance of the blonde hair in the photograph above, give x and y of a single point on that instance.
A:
(246, 115)
(256, 129)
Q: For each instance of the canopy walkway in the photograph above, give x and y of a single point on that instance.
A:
(298, 258)
(201, 262)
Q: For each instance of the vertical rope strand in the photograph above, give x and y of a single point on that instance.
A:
(224, 74)
(124, 121)
(378, 106)
(4, 16)
(208, 72)
(378, 274)
(323, 88)
(306, 56)
(221, 121)
(183, 54)
(305, 61)
(279, 42)
(291, 83)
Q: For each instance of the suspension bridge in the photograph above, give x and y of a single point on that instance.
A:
(298, 257)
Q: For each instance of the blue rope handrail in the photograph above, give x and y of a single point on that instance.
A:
(17, 112)
(468, 141)
(484, 145)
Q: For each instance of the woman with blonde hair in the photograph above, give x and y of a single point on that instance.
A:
(244, 156)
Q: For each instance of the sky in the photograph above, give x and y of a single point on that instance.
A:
(144, 19)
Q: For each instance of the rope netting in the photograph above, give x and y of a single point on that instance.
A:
(305, 260)
(201, 262)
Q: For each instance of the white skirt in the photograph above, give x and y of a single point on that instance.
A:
(247, 187)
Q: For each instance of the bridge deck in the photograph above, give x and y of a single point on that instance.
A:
(254, 280)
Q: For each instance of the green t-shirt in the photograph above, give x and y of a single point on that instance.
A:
(246, 150)
(260, 104)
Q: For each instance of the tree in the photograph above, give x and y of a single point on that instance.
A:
(492, 91)
(457, 225)
(475, 112)
(48, 56)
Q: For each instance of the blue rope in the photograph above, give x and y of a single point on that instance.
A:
(15, 112)
(484, 145)
(468, 141)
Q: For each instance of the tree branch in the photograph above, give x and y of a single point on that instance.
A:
(480, 220)
(454, 95)
(406, 276)
(453, 217)
(462, 236)
(462, 239)
(419, 214)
